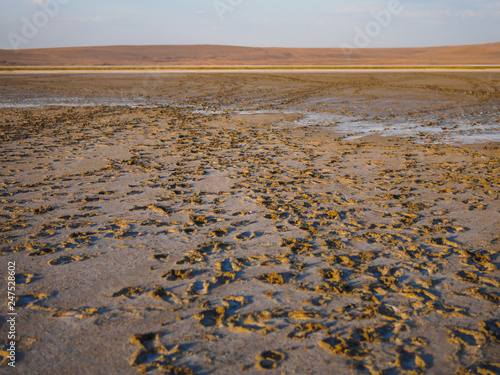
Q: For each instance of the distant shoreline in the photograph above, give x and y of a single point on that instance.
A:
(245, 69)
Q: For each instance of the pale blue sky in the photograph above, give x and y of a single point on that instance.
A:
(265, 23)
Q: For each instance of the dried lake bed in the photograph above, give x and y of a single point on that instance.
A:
(252, 223)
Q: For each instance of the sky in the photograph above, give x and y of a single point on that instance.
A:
(255, 23)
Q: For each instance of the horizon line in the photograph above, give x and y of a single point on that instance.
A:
(241, 46)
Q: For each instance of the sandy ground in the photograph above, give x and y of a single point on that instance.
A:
(179, 233)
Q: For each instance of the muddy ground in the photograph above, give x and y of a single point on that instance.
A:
(190, 223)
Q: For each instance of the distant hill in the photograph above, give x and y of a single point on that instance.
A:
(214, 55)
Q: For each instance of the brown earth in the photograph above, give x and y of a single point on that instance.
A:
(214, 55)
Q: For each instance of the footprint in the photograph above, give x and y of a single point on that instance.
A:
(211, 317)
(270, 359)
(42, 250)
(303, 331)
(173, 275)
(32, 301)
(164, 295)
(200, 220)
(77, 239)
(334, 245)
(129, 292)
(277, 278)
(297, 246)
(82, 313)
(42, 209)
(152, 354)
(161, 257)
(25, 278)
(245, 236)
(65, 259)
(198, 288)
(221, 232)
(234, 302)
(492, 329)
(487, 368)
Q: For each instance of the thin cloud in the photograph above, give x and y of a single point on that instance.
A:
(350, 10)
